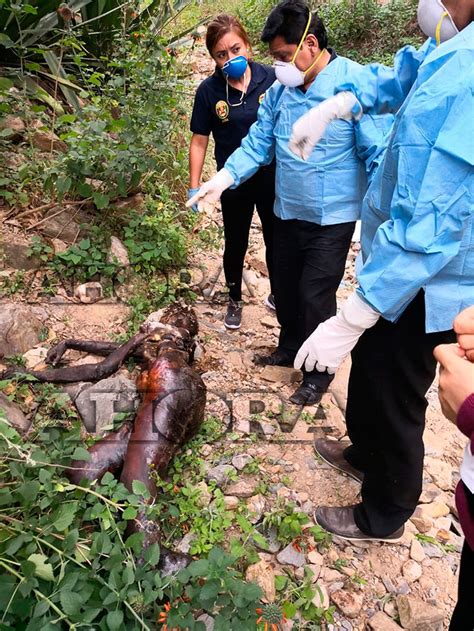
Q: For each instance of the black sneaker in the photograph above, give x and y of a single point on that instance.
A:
(277, 358)
(270, 302)
(233, 317)
(307, 394)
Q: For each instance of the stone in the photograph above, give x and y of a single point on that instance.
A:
(411, 570)
(59, 246)
(262, 573)
(221, 474)
(422, 524)
(433, 551)
(349, 603)
(19, 329)
(46, 140)
(291, 556)
(35, 356)
(432, 510)
(381, 622)
(231, 502)
(62, 225)
(13, 415)
(273, 545)
(430, 494)
(241, 488)
(416, 551)
(403, 588)
(388, 583)
(118, 253)
(234, 358)
(417, 615)
(256, 507)
(98, 403)
(241, 461)
(440, 472)
(316, 570)
(16, 256)
(390, 608)
(185, 544)
(15, 125)
(269, 321)
(281, 374)
(321, 597)
(207, 620)
(315, 558)
(205, 495)
(136, 202)
(89, 292)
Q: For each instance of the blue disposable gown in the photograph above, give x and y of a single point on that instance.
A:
(329, 187)
(417, 217)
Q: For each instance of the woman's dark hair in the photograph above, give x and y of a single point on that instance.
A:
(288, 20)
(220, 26)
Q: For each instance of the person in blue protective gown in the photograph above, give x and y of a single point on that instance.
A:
(316, 201)
(418, 265)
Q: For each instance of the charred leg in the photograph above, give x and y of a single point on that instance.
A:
(106, 455)
(86, 372)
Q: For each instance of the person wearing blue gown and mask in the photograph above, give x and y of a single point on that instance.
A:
(418, 265)
(318, 201)
(225, 106)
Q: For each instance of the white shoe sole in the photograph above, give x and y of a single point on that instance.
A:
(232, 326)
(268, 304)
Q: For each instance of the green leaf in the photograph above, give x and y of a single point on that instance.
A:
(289, 609)
(29, 491)
(139, 488)
(84, 190)
(65, 516)
(152, 554)
(81, 454)
(85, 244)
(100, 200)
(129, 513)
(5, 84)
(114, 620)
(6, 41)
(43, 569)
(71, 602)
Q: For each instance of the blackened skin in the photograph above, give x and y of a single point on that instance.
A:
(106, 454)
(86, 372)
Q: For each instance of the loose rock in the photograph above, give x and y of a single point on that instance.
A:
(411, 571)
(262, 574)
(280, 374)
(381, 622)
(291, 556)
(221, 474)
(417, 615)
(349, 603)
(13, 414)
(19, 329)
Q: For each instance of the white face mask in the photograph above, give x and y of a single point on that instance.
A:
(435, 21)
(286, 71)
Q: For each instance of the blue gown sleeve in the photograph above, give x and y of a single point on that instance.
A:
(381, 89)
(371, 134)
(432, 205)
(257, 149)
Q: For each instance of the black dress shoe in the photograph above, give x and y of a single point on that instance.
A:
(332, 452)
(307, 394)
(277, 358)
(340, 522)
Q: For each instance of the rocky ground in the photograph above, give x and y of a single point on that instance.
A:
(376, 586)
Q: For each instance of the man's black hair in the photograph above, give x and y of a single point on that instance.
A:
(288, 19)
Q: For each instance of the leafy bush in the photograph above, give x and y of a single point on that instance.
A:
(363, 30)
(66, 561)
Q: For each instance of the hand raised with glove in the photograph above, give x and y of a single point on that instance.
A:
(210, 192)
(331, 342)
(309, 129)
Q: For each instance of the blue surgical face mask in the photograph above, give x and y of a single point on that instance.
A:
(235, 67)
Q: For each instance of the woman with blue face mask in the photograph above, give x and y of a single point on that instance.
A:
(225, 106)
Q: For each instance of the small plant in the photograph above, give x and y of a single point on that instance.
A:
(288, 522)
(300, 597)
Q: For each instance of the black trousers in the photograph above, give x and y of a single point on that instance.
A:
(237, 212)
(463, 614)
(309, 262)
(392, 368)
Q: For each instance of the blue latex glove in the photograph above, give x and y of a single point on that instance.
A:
(191, 193)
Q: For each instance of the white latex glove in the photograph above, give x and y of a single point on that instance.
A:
(308, 130)
(333, 340)
(210, 192)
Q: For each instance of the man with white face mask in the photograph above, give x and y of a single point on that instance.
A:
(317, 201)
(418, 265)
